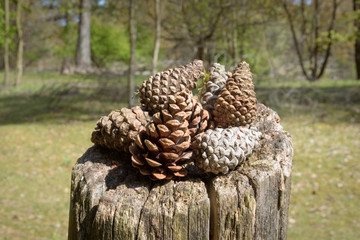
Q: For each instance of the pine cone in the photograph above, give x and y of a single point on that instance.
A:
(213, 86)
(195, 114)
(155, 91)
(162, 148)
(236, 104)
(221, 150)
(119, 129)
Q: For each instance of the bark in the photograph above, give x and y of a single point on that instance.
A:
(83, 51)
(356, 7)
(20, 46)
(111, 200)
(132, 26)
(6, 44)
(157, 36)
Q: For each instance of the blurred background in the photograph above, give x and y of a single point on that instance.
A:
(66, 63)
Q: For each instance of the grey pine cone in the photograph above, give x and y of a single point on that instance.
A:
(220, 150)
(213, 86)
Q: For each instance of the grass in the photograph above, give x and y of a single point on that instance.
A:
(45, 125)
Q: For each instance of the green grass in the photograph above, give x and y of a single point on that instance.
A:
(45, 125)
(36, 161)
(326, 179)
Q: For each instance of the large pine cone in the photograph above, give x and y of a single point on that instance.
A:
(155, 91)
(120, 128)
(221, 150)
(162, 148)
(195, 114)
(213, 86)
(236, 104)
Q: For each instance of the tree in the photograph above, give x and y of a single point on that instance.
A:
(356, 7)
(314, 44)
(157, 36)
(202, 28)
(132, 30)
(241, 30)
(83, 52)
(6, 44)
(20, 45)
(194, 23)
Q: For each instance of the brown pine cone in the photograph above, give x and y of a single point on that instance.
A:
(155, 91)
(196, 115)
(120, 128)
(236, 104)
(162, 148)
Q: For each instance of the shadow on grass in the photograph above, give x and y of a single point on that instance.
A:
(61, 103)
(88, 100)
(325, 104)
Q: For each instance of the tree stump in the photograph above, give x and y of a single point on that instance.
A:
(111, 200)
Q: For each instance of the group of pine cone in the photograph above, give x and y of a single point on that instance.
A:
(172, 127)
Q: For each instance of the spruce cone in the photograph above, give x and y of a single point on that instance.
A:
(221, 150)
(119, 129)
(213, 86)
(236, 104)
(155, 91)
(162, 148)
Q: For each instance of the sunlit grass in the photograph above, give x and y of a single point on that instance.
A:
(36, 161)
(325, 184)
(44, 129)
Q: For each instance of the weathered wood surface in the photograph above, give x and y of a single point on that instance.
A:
(111, 200)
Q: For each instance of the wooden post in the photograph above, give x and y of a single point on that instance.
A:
(111, 200)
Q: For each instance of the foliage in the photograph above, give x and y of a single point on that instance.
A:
(12, 30)
(144, 43)
(66, 44)
(109, 42)
(222, 31)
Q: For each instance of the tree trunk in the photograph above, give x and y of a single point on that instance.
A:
(20, 46)
(234, 35)
(157, 36)
(112, 200)
(357, 58)
(200, 46)
(132, 26)
(356, 6)
(6, 44)
(83, 51)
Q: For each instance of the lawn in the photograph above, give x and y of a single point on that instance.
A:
(46, 123)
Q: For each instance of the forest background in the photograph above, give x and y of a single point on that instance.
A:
(66, 63)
